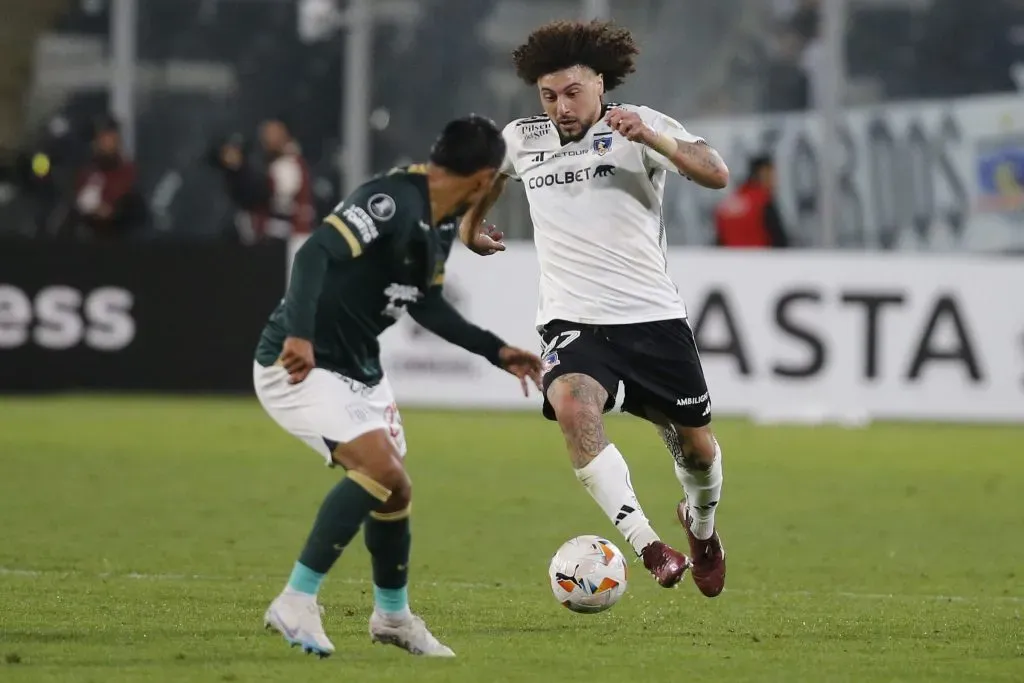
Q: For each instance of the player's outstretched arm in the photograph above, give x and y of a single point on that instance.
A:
(480, 237)
(698, 161)
(694, 158)
(440, 317)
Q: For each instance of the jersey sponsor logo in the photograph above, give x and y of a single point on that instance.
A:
(533, 129)
(382, 207)
(61, 317)
(356, 218)
(563, 178)
(399, 297)
(540, 157)
(569, 177)
(603, 143)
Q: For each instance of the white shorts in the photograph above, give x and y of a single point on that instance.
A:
(328, 406)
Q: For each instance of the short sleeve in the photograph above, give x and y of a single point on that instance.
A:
(508, 166)
(384, 206)
(667, 125)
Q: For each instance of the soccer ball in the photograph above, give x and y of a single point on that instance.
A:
(588, 574)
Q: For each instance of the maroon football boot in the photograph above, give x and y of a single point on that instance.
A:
(708, 557)
(665, 564)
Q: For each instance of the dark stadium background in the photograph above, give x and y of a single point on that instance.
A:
(871, 512)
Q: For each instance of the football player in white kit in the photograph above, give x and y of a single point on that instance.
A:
(609, 313)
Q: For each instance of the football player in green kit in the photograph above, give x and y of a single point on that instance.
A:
(317, 371)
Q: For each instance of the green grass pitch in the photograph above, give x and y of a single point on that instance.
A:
(143, 538)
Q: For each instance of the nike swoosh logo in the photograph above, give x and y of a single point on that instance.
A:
(289, 632)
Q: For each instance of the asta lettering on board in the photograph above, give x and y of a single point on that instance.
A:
(945, 319)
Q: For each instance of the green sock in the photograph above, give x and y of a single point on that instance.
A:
(339, 519)
(389, 543)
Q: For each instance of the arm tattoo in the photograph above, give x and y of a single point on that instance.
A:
(700, 155)
(701, 163)
(579, 402)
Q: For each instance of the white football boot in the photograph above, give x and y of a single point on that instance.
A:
(297, 617)
(411, 635)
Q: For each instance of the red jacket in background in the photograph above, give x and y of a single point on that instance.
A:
(101, 191)
(749, 218)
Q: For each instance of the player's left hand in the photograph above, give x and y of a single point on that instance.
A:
(629, 125)
(297, 358)
(522, 364)
(488, 241)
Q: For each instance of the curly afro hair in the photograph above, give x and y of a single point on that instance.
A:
(607, 49)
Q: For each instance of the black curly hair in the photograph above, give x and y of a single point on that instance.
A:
(468, 145)
(600, 45)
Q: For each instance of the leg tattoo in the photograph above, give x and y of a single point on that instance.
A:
(579, 402)
(681, 451)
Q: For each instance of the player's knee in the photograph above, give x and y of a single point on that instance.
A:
(698, 445)
(564, 405)
(572, 413)
(390, 473)
(374, 456)
(576, 397)
(398, 504)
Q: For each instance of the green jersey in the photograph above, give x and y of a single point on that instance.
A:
(375, 257)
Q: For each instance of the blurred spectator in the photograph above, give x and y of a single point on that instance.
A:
(749, 217)
(107, 201)
(787, 85)
(273, 194)
(971, 51)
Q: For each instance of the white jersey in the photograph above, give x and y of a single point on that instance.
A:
(597, 217)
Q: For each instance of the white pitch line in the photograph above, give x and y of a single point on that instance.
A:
(461, 585)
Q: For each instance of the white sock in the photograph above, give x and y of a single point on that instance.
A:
(395, 618)
(606, 479)
(703, 490)
(297, 595)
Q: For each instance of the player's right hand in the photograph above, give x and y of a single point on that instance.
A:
(487, 241)
(522, 364)
(297, 358)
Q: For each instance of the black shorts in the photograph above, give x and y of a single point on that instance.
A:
(657, 362)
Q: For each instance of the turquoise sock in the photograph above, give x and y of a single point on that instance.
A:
(305, 580)
(391, 600)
